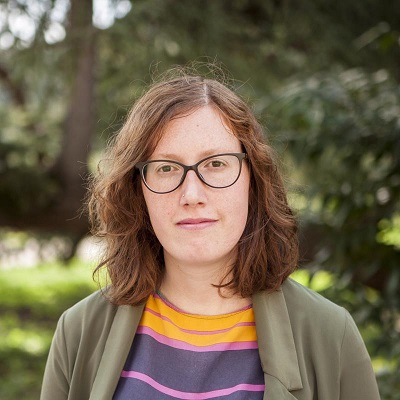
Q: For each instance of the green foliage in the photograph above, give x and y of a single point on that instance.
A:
(29, 143)
(31, 301)
(342, 130)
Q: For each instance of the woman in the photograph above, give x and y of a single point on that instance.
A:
(200, 244)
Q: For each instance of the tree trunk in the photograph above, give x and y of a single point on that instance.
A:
(71, 168)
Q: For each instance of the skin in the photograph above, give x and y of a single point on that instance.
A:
(199, 226)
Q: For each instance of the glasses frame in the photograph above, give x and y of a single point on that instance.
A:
(186, 168)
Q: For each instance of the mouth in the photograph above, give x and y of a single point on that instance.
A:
(196, 223)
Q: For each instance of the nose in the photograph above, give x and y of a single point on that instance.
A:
(192, 190)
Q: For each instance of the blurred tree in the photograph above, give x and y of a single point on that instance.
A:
(41, 176)
(342, 130)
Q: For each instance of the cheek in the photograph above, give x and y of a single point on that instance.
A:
(158, 209)
(241, 212)
(238, 205)
(243, 191)
(243, 202)
(151, 204)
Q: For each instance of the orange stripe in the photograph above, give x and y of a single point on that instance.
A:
(226, 327)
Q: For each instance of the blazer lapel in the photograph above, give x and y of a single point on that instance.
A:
(276, 390)
(276, 346)
(115, 352)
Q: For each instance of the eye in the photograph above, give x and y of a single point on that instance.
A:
(166, 168)
(215, 163)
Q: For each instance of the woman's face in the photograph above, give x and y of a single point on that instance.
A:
(197, 224)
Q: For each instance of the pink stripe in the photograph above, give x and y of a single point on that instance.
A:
(190, 395)
(179, 344)
(198, 332)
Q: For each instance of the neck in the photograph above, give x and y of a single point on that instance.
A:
(190, 288)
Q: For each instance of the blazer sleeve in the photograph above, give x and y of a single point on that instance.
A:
(55, 381)
(357, 378)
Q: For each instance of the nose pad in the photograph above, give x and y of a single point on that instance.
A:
(193, 189)
(196, 171)
(200, 176)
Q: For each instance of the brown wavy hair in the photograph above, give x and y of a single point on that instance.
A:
(133, 256)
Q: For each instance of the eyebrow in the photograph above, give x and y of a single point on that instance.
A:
(204, 154)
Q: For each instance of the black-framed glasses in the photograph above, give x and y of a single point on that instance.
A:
(217, 171)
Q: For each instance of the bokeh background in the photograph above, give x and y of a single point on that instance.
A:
(323, 76)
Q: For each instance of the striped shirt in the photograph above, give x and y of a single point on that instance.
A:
(176, 355)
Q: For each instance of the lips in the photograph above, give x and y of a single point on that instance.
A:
(196, 223)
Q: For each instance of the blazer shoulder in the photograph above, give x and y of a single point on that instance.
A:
(94, 309)
(330, 337)
(312, 311)
(297, 294)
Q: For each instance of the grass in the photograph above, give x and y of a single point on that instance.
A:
(31, 301)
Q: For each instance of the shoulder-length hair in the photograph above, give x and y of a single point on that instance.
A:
(133, 256)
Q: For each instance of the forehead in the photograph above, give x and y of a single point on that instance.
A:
(201, 132)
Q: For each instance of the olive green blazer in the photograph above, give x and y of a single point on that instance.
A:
(310, 349)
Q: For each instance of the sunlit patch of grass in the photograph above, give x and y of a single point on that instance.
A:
(44, 290)
(31, 301)
(27, 337)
